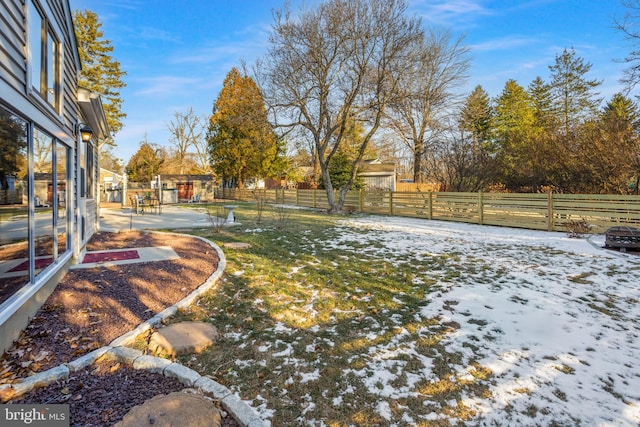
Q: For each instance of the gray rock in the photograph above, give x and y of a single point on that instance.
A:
(242, 412)
(151, 364)
(213, 388)
(182, 373)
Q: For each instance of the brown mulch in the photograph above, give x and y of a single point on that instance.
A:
(90, 308)
(92, 393)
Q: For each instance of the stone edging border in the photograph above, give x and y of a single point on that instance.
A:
(117, 350)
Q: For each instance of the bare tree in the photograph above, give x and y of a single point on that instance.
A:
(629, 25)
(187, 130)
(427, 95)
(459, 164)
(334, 65)
(42, 152)
(200, 145)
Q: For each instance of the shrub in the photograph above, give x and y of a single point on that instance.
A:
(577, 228)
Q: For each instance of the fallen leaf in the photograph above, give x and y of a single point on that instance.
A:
(43, 354)
(7, 394)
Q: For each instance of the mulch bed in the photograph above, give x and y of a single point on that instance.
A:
(90, 308)
(102, 394)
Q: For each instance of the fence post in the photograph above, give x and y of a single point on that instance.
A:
(480, 208)
(361, 201)
(314, 198)
(430, 207)
(390, 202)
(550, 211)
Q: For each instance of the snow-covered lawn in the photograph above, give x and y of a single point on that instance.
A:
(559, 330)
(461, 325)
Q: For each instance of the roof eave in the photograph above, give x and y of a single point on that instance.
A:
(92, 112)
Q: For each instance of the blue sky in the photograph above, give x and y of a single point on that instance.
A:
(177, 53)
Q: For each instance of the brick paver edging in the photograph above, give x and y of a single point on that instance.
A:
(118, 350)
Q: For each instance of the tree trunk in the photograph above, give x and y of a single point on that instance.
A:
(418, 176)
(328, 186)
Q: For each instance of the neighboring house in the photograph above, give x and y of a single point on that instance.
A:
(48, 173)
(377, 175)
(111, 186)
(185, 188)
(374, 174)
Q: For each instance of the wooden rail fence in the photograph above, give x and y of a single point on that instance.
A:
(552, 212)
(10, 197)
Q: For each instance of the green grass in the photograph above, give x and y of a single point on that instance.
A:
(306, 318)
(7, 213)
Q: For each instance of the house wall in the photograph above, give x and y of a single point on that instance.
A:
(177, 188)
(379, 182)
(13, 61)
(12, 39)
(18, 98)
(110, 186)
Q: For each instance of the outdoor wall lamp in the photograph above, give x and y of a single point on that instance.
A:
(85, 132)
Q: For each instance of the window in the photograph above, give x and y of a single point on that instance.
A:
(43, 197)
(35, 45)
(44, 57)
(14, 199)
(91, 171)
(52, 70)
(62, 199)
(35, 176)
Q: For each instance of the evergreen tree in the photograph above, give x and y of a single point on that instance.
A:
(542, 100)
(146, 163)
(476, 118)
(242, 144)
(574, 99)
(340, 168)
(515, 132)
(612, 150)
(575, 103)
(543, 153)
(466, 157)
(342, 163)
(100, 73)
